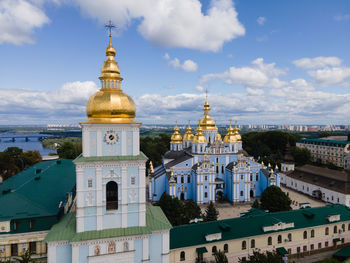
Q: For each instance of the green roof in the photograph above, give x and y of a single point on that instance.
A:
(66, 228)
(141, 157)
(282, 251)
(324, 142)
(343, 253)
(252, 225)
(201, 250)
(29, 194)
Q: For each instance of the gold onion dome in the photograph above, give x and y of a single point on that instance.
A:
(235, 132)
(110, 104)
(207, 123)
(218, 137)
(188, 135)
(230, 137)
(199, 137)
(176, 137)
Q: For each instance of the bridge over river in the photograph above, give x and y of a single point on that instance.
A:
(23, 137)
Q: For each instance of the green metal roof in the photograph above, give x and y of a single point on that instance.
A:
(66, 228)
(29, 194)
(344, 253)
(201, 250)
(282, 251)
(141, 157)
(252, 225)
(324, 142)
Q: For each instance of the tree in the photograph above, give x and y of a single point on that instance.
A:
(301, 156)
(191, 210)
(31, 157)
(173, 209)
(211, 214)
(256, 204)
(69, 150)
(220, 257)
(349, 136)
(268, 257)
(25, 258)
(274, 200)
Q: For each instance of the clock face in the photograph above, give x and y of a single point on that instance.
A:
(111, 137)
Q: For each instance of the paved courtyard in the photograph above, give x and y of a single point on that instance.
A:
(228, 210)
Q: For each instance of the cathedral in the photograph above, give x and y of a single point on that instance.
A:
(204, 167)
(110, 220)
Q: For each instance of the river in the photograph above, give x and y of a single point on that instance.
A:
(32, 144)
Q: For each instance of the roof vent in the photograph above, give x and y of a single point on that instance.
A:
(58, 161)
(37, 171)
(37, 178)
(6, 191)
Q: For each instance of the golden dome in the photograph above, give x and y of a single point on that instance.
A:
(218, 137)
(176, 137)
(207, 123)
(110, 104)
(188, 135)
(230, 137)
(238, 136)
(199, 137)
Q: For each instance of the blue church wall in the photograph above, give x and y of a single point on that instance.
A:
(64, 253)
(133, 171)
(229, 186)
(90, 223)
(112, 149)
(83, 254)
(90, 173)
(112, 221)
(129, 143)
(93, 143)
(138, 250)
(90, 211)
(263, 181)
(156, 246)
(159, 186)
(133, 219)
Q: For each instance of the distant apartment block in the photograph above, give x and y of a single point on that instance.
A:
(327, 151)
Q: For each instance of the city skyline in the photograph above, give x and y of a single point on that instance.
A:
(278, 63)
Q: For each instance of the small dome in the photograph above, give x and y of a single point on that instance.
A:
(199, 137)
(238, 136)
(188, 135)
(176, 137)
(207, 123)
(230, 137)
(218, 137)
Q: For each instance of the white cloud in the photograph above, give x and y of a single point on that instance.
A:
(199, 88)
(261, 20)
(188, 65)
(254, 92)
(329, 76)
(342, 17)
(262, 38)
(18, 21)
(66, 102)
(172, 23)
(317, 62)
(257, 75)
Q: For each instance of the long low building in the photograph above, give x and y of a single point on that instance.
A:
(293, 232)
(322, 183)
(31, 202)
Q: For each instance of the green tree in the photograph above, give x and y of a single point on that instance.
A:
(155, 147)
(256, 204)
(25, 258)
(191, 210)
(8, 166)
(6, 261)
(301, 156)
(220, 257)
(69, 150)
(268, 257)
(211, 214)
(274, 200)
(173, 208)
(31, 157)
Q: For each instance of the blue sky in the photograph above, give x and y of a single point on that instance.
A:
(262, 61)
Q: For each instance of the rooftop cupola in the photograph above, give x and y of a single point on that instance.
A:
(230, 137)
(207, 123)
(199, 137)
(188, 135)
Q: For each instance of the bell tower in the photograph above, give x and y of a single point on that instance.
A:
(111, 170)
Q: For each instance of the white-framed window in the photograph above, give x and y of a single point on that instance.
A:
(90, 182)
(133, 180)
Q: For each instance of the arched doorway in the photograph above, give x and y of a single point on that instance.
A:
(112, 195)
(182, 196)
(219, 196)
(251, 193)
(317, 194)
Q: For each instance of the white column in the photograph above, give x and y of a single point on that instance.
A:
(75, 253)
(124, 142)
(136, 141)
(99, 193)
(145, 249)
(165, 247)
(99, 142)
(86, 143)
(51, 253)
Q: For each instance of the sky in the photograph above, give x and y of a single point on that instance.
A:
(262, 62)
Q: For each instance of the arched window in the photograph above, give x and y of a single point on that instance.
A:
(112, 195)
(326, 231)
(222, 169)
(290, 237)
(126, 246)
(213, 250)
(335, 230)
(252, 243)
(279, 239)
(305, 235)
(182, 179)
(343, 227)
(182, 256)
(111, 247)
(226, 248)
(244, 245)
(349, 227)
(217, 169)
(312, 233)
(269, 241)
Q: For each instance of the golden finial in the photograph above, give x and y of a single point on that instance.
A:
(151, 167)
(262, 162)
(269, 165)
(276, 167)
